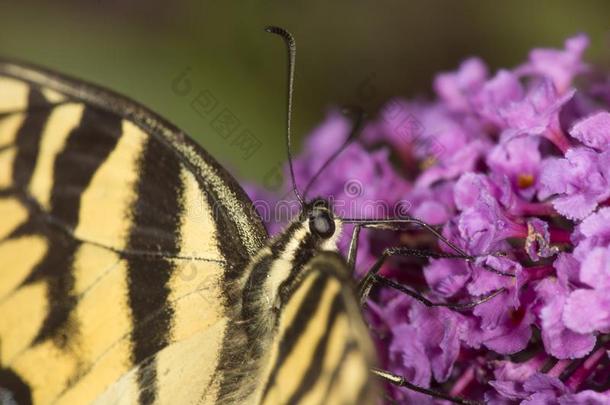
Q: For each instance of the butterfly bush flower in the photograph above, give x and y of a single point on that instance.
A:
(513, 168)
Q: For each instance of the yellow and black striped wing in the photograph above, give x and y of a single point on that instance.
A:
(120, 241)
(321, 353)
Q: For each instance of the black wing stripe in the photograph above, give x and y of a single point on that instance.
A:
(314, 371)
(350, 347)
(60, 295)
(147, 381)
(28, 140)
(148, 280)
(95, 138)
(93, 130)
(301, 321)
(19, 391)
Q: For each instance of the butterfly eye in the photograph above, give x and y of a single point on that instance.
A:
(322, 224)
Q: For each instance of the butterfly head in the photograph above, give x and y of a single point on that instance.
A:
(315, 230)
(321, 223)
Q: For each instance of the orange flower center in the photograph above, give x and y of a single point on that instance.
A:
(525, 180)
(427, 163)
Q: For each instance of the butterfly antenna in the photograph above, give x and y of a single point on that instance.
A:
(292, 53)
(355, 131)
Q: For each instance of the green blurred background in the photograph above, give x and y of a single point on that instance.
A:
(138, 47)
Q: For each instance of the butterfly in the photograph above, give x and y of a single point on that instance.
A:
(134, 269)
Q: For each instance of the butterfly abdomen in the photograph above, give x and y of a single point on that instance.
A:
(321, 352)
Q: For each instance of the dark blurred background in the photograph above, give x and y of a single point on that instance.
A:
(394, 48)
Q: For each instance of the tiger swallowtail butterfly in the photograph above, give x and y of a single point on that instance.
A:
(134, 269)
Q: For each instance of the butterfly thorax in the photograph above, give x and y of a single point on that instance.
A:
(272, 278)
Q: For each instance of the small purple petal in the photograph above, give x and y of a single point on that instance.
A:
(587, 311)
(472, 187)
(484, 225)
(438, 329)
(543, 383)
(502, 90)
(447, 276)
(592, 232)
(510, 379)
(575, 206)
(559, 341)
(519, 372)
(485, 281)
(580, 182)
(455, 88)
(519, 159)
(597, 225)
(586, 397)
(500, 327)
(433, 205)
(456, 163)
(432, 212)
(554, 178)
(394, 310)
(469, 188)
(595, 270)
(540, 398)
(593, 131)
(538, 112)
(509, 390)
(410, 356)
(511, 341)
(568, 269)
(560, 65)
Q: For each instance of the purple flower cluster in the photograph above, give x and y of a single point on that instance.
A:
(514, 168)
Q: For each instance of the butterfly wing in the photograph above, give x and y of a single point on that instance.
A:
(322, 353)
(119, 240)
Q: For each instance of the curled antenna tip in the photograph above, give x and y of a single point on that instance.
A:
(274, 29)
(282, 32)
(291, 52)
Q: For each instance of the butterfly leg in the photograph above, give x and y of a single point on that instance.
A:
(399, 224)
(402, 382)
(353, 246)
(372, 278)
